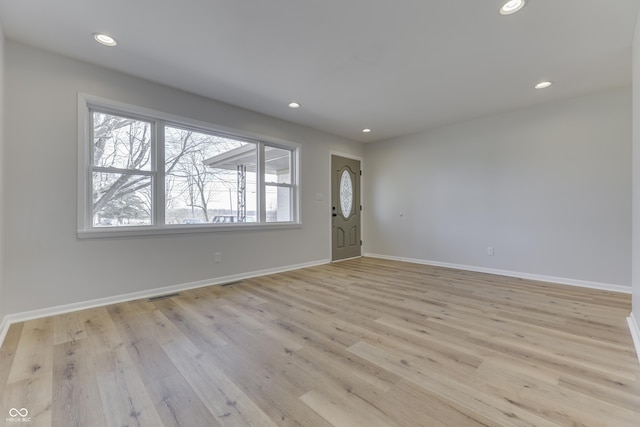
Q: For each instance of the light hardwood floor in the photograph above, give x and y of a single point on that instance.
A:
(364, 342)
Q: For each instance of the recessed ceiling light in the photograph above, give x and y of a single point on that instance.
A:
(105, 39)
(543, 85)
(294, 105)
(366, 130)
(511, 7)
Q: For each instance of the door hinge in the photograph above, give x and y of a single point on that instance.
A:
(360, 173)
(360, 242)
(361, 208)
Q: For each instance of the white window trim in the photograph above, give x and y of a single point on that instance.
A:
(85, 227)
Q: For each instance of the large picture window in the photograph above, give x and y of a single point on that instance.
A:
(143, 172)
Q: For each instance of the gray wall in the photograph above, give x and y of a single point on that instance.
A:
(46, 265)
(636, 173)
(548, 187)
(2, 169)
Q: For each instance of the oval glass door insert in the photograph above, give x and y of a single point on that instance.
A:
(346, 194)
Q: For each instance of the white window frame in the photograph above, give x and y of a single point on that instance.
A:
(85, 229)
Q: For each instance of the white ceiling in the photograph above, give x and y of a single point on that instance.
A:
(396, 66)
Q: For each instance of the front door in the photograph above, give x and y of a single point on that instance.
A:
(345, 208)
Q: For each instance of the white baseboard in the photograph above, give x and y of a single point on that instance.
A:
(10, 319)
(634, 327)
(347, 259)
(529, 276)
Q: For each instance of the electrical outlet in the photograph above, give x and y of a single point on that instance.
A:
(217, 257)
(490, 250)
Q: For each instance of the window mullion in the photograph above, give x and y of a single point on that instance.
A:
(262, 208)
(120, 171)
(295, 180)
(279, 184)
(159, 168)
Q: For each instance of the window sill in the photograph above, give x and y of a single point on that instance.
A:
(181, 229)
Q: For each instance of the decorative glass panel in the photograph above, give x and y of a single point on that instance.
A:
(346, 194)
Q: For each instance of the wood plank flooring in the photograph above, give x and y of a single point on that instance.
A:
(364, 342)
